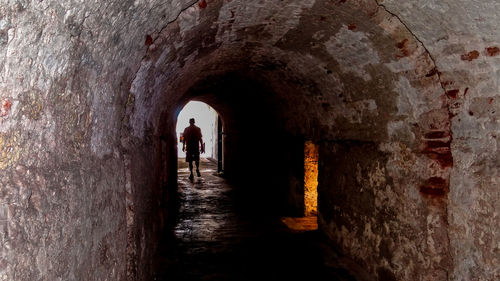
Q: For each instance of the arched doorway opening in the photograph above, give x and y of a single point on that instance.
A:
(210, 123)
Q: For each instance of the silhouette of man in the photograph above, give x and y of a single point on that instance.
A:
(192, 137)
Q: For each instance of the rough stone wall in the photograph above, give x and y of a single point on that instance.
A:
(461, 37)
(88, 89)
(66, 69)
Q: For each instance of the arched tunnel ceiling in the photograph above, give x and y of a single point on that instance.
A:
(344, 61)
(104, 40)
(359, 42)
(79, 78)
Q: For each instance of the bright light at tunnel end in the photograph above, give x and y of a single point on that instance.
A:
(205, 118)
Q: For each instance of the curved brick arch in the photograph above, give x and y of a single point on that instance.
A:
(401, 96)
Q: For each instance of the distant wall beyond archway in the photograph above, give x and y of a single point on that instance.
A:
(206, 119)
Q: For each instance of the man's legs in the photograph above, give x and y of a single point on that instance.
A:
(191, 177)
(197, 162)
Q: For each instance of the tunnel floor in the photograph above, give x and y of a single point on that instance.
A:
(216, 238)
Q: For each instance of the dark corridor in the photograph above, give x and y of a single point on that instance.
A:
(218, 235)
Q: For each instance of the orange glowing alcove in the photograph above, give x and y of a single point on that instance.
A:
(311, 156)
(309, 222)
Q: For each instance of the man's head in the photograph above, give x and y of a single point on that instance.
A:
(191, 121)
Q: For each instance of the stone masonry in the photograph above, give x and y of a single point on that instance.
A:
(401, 97)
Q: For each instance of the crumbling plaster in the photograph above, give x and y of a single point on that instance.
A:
(66, 70)
(410, 87)
(462, 39)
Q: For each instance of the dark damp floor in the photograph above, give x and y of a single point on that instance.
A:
(214, 239)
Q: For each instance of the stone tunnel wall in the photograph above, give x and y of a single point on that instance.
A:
(460, 37)
(76, 184)
(408, 88)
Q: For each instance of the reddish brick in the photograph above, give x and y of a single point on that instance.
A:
(436, 135)
(202, 4)
(470, 56)
(493, 51)
(149, 40)
(435, 186)
(452, 93)
(5, 107)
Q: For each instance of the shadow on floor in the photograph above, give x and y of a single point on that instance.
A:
(211, 239)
